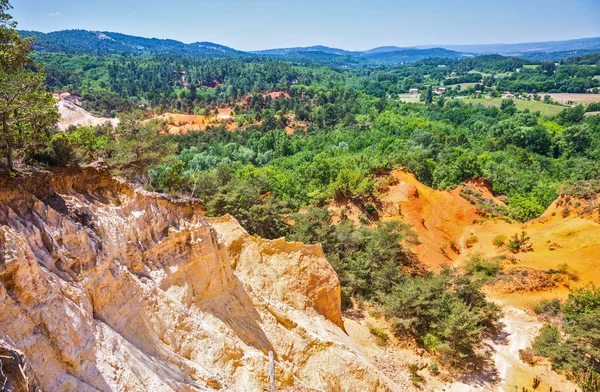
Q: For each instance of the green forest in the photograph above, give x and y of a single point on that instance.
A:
(350, 127)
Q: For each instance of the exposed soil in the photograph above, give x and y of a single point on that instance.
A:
(578, 98)
(73, 114)
(181, 124)
(568, 233)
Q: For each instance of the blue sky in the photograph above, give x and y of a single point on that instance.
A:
(350, 24)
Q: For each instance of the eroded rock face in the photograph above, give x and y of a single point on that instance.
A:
(293, 273)
(103, 287)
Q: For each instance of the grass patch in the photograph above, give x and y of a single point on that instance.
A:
(533, 106)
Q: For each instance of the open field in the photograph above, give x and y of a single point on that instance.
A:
(462, 85)
(503, 75)
(410, 98)
(544, 108)
(483, 74)
(577, 98)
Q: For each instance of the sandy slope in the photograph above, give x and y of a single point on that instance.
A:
(445, 218)
(73, 114)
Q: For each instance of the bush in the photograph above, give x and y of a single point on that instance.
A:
(564, 269)
(528, 356)
(472, 240)
(548, 308)
(586, 190)
(431, 342)
(434, 369)
(483, 268)
(576, 348)
(381, 337)
(547, 343)
(415, 377)
(519, 243)
(371, 209)
(499, 240)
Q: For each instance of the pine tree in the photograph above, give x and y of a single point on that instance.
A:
(26, 110)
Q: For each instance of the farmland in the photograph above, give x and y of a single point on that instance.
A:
(545, 109)
(409, 98)
(462, 85)
(565, 98)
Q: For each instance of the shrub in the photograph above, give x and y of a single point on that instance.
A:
(431, 342)
(481, 267)
(413, 368)
(547, 343)
(548, 308)
(472, 240)
(381, 337)
(519, 243)
(415, 377)
(434, 369)
(499, 240)
(528, 356)
(586, 190)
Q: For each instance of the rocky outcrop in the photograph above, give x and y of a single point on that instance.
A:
(105, 287)
(293, 273)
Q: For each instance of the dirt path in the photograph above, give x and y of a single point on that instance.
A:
(519, 332)
(521, 325)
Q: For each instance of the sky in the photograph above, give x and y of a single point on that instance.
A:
(349, 24)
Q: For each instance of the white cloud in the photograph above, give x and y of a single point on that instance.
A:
(53, 14)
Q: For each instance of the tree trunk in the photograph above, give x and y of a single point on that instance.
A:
(9, 148)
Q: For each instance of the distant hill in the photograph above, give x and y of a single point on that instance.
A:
(539, 51)
(289, 51)
(385, 49)
(583, 44)
(410, 55)
(389, 54)
(102, 42)
(557, 56)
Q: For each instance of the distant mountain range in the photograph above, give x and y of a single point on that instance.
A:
(583, 44)
(102, 42)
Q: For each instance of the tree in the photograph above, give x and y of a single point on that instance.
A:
(26, 110)
(428, 95)
(508, 106)
(548, 66)
(571, 115)
(138, 145)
